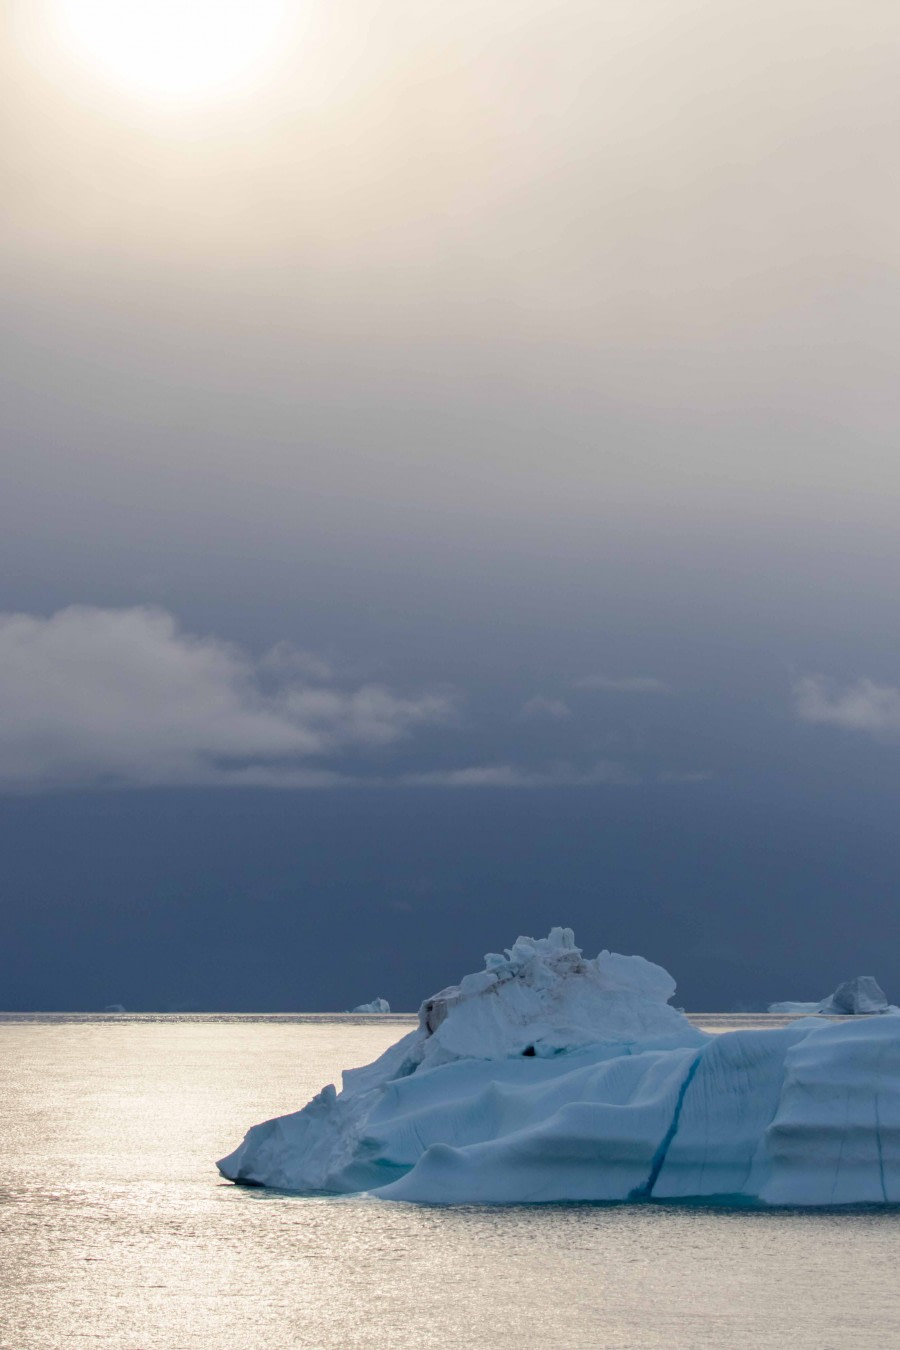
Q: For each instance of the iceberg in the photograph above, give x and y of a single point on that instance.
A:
(860, 996)
(378, 1005)
(552, 1077)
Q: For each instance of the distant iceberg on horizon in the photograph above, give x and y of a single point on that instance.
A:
(860, 997)
(551, 1077)
(378, 1005)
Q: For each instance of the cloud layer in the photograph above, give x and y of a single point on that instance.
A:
(623, 684)
(861, 706)
(540, 708)
(564, 774)
(123, 697)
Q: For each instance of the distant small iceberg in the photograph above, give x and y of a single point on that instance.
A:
(115, 1007)
(862, 996)
(378, 1005)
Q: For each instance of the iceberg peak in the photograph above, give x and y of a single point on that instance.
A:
(542, 996)
(860, 995)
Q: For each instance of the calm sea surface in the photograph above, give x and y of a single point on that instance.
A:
(115, 1229)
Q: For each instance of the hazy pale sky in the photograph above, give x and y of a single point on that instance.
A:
(476, 426)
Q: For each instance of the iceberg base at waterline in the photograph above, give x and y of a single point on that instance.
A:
(550, 1077)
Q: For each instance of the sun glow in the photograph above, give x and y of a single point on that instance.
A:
(172, 50)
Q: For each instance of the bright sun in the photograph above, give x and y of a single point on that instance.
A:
(172, 49)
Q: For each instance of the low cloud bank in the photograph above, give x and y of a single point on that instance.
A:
(123, 697)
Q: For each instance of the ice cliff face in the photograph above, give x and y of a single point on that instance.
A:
(551, 1077)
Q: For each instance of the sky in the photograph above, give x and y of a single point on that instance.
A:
(450, 488)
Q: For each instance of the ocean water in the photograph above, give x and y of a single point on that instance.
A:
(116, 1231)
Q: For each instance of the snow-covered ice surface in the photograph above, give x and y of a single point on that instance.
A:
(551, 1077)
(378, 1005)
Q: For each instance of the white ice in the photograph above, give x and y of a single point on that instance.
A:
(551, 1077)
(378, 1005)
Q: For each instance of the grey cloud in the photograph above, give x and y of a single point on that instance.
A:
(541, 708)
(517, 776)
(284, 656)
(862, 706)
(623, 684)
(122, 696)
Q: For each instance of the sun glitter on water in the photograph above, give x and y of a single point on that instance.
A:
(171, 50)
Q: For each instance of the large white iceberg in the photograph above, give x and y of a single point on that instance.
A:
(551, 1077)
